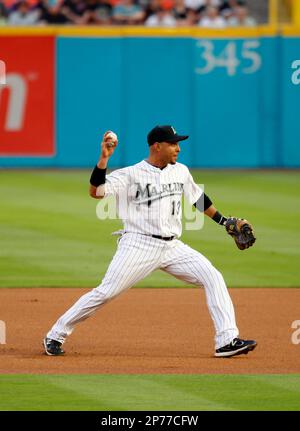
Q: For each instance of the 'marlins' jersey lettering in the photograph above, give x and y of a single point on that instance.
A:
(151, 192)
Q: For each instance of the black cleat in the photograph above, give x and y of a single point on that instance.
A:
(52, 347)
(236, 347)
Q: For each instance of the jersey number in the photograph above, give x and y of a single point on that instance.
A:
(176, 207)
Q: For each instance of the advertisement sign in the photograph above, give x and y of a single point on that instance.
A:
(27, 96)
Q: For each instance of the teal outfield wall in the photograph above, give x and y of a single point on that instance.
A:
(234, 97)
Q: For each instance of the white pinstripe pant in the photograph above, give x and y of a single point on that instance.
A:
(136, 257)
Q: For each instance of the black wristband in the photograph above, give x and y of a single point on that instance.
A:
(203, 203)
(207, 202)
(98, 176)
(218, 218)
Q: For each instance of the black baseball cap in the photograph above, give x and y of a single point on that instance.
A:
(164, 134)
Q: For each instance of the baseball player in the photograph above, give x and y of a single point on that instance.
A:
(149, 196)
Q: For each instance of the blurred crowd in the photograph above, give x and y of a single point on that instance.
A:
(152, 13)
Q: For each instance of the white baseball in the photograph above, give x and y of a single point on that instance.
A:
(112, 136)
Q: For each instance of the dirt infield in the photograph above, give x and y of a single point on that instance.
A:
(149, 331)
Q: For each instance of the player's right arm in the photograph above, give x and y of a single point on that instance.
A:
(97, 181)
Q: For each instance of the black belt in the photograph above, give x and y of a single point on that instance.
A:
(165, 238)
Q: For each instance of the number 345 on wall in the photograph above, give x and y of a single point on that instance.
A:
(228, 57)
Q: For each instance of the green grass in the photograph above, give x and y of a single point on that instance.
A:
(149, 392)
(50, 236)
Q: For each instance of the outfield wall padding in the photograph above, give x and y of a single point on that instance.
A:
(234, 96)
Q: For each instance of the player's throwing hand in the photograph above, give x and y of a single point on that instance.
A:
(108, 144)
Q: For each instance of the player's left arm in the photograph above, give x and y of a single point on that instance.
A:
(214, 214)
(239, 229)
(204, 204)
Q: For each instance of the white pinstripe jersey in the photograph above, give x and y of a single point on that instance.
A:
(149, 199)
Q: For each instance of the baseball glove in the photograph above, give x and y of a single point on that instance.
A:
(241, 231)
